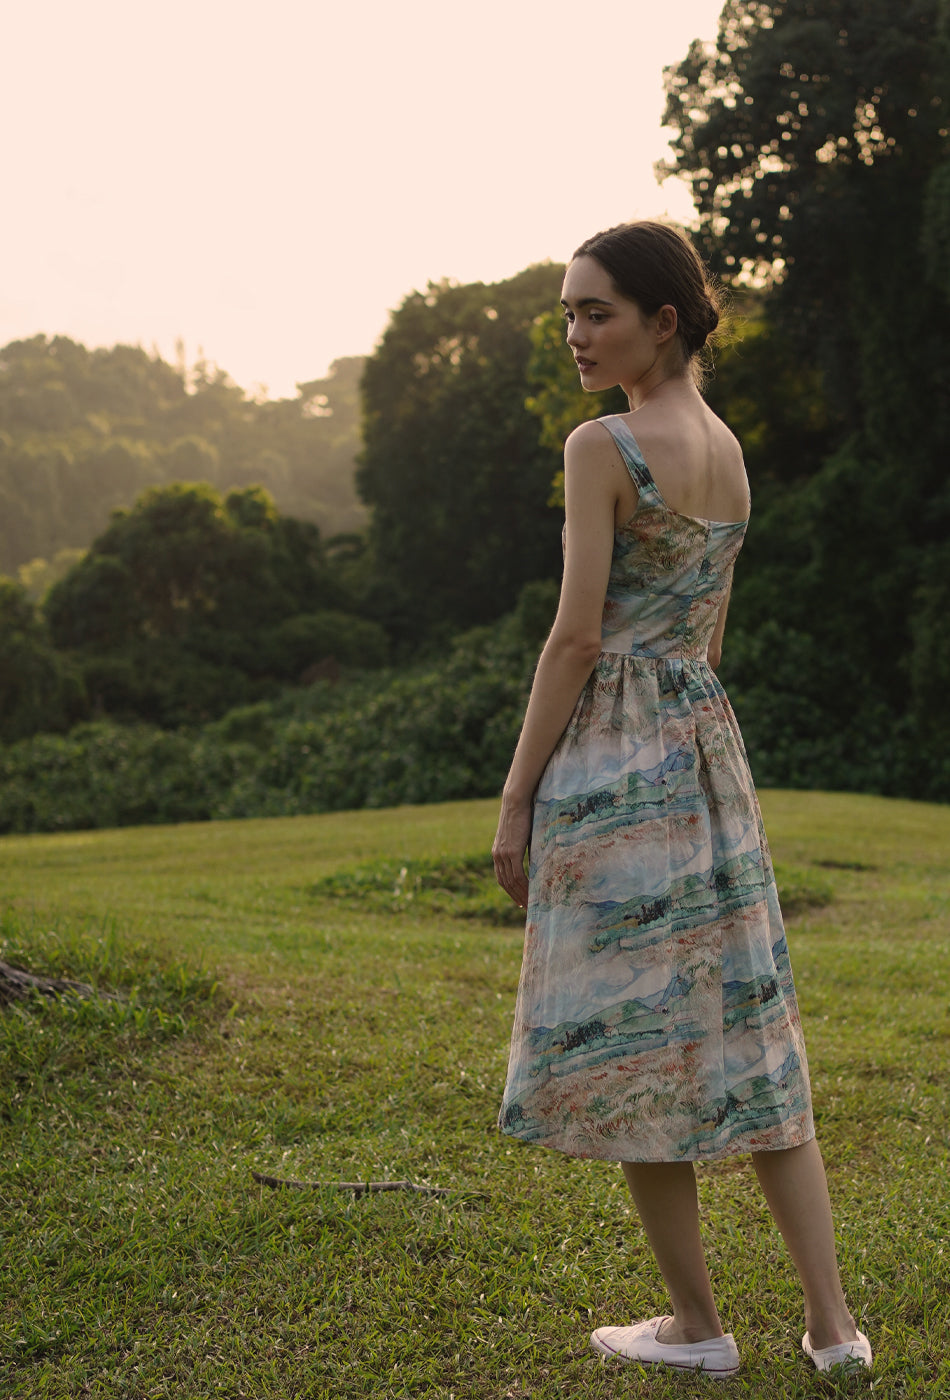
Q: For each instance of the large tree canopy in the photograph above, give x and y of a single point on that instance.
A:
(804, 116)
(453, 468)
(814, 136)
(190, 603)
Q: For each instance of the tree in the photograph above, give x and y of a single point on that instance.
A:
(319, 436)
(38, 688)
(183, 606)
(800, 116)
(815, 140)
(453, 467)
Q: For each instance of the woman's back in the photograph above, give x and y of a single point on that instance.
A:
(692, 457)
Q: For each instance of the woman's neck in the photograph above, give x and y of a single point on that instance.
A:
(678, 386)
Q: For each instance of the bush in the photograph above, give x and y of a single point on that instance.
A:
(810, 720)
(104, 775)
(39, 687)
(309, 639)
(445, 730)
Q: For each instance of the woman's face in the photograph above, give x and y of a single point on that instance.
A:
(612, 340)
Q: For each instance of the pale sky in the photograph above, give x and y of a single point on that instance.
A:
(268, 179)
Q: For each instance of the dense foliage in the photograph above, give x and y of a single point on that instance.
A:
(439, 731)
(185, 606)
(83, 432)
(815, 140)
(39, 689)
(453, 469)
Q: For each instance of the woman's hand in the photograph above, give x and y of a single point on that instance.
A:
(509, 849)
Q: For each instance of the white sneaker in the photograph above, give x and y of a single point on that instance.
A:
(718, 1357)
(848, 1355)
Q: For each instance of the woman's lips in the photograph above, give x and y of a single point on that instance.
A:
(584, 364)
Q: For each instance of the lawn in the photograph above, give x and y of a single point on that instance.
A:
(329, 999)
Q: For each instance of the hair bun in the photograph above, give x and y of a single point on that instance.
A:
(700, 327)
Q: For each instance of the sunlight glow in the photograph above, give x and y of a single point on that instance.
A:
(265, 183)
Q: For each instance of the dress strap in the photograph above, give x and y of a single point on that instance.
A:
(631, 454)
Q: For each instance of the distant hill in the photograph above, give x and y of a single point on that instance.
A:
(83, 432)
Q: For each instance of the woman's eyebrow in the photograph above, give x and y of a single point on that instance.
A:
(589, 301)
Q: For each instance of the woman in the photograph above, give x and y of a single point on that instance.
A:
(656, 1021)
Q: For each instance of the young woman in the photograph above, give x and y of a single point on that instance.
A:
(656, 1021)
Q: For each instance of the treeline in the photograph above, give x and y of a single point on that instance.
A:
(192, 602)
(816, 143)
(84, 432)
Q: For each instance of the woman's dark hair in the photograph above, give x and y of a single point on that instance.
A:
(656, 265)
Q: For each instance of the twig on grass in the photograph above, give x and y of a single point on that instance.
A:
(359, 1188)
(16, 984)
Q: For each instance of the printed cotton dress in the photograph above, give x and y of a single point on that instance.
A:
(656, 1017)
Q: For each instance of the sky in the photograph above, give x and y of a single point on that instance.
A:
(264, 181)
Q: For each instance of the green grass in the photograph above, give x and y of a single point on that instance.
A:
(329, 998)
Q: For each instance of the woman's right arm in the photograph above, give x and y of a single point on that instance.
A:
(591, 475)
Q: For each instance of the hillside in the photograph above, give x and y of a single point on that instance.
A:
(84, 432)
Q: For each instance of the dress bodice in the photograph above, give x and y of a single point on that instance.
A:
(669, 573)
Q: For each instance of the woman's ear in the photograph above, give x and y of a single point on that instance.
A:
(666, 323)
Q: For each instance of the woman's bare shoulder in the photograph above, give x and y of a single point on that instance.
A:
(587, 436)
(723, 437)
(695, 460)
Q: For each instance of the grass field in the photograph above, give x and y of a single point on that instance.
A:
(329, 999)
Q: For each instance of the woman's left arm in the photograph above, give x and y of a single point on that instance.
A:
(592, 472)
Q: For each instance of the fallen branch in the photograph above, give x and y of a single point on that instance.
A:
(359, 1188)
(16, 985)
